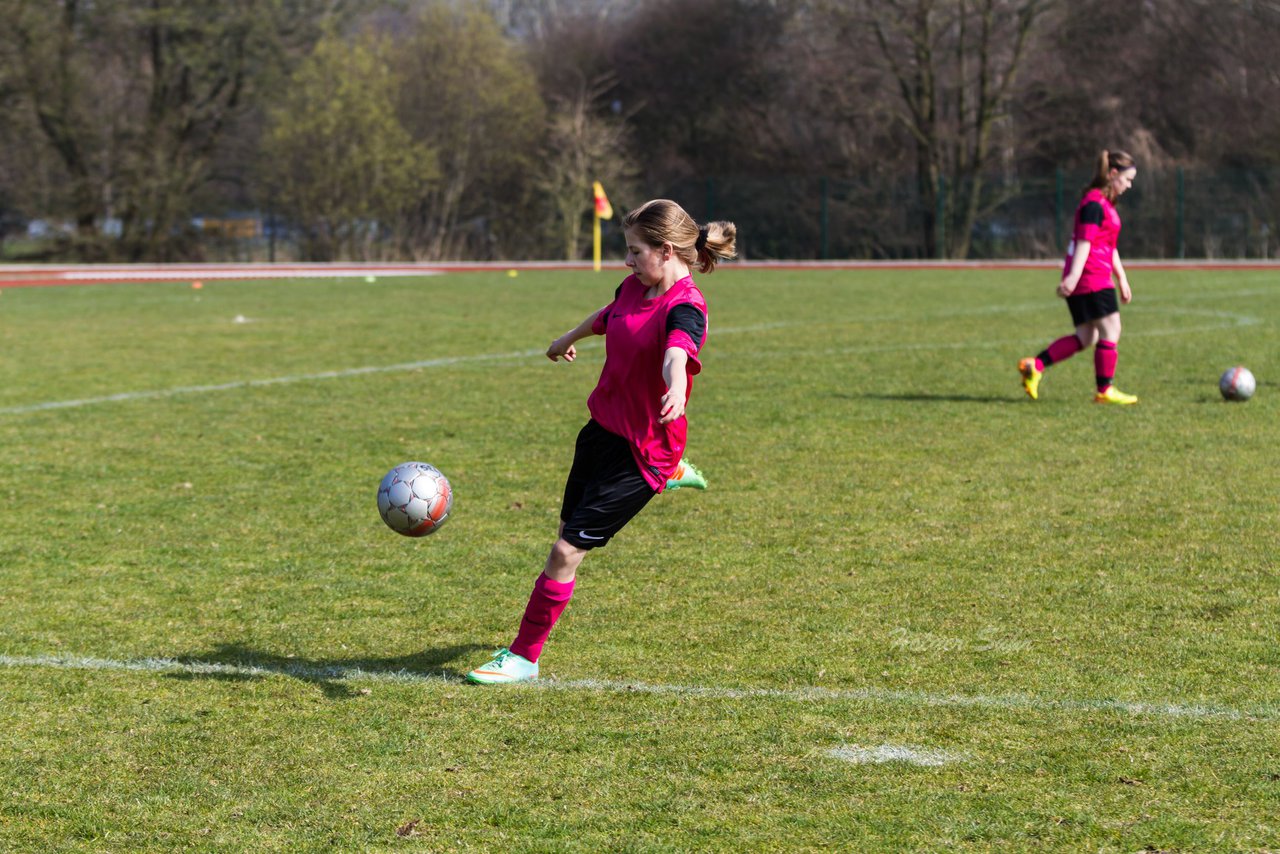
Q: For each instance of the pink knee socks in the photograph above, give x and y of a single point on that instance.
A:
(546, 603)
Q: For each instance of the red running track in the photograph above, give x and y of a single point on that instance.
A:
(25, 276)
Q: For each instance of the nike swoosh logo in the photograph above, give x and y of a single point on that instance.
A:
(587, 536)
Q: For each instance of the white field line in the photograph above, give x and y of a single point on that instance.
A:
(909, 754)
(268, 381)
(1228, 320)
(355, 673)
(156, 394)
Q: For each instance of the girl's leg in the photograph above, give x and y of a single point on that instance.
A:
(1065, 347)
(1105, 356)
(1032, 368)
(1088, 333)
(551, 594)
(604, 491)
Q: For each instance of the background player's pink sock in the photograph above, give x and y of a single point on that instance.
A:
(1104, 363)
(546, 603)
(1064, 348)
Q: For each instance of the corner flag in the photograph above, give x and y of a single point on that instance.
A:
(603, 209)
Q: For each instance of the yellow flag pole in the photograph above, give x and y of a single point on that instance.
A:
(595, 234)
(601, 209)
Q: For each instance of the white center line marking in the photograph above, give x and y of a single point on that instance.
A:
(359, 673)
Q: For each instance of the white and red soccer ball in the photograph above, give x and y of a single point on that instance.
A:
(1237, 384)
(414, 499)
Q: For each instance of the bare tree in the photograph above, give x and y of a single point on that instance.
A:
(45, 74)
(582, 146)
(536, 19)
(133, 97)
(469, 96)
(345, 168)
(702, 84)
(588, 135)
(953, 66)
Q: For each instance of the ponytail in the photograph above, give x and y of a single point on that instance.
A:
(716, 241)
(1108, 160)
(663, 221)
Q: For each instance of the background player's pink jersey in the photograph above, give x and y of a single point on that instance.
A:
(1098, 223)
(627, 400)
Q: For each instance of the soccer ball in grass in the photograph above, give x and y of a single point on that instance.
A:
(414, 499)
(1237, 384)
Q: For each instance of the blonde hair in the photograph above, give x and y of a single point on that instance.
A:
(663, 221)
(1107, 161)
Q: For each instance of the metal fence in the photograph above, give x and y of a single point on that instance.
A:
(1168, 214)
(1174, 213)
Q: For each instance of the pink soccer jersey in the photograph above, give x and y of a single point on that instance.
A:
(627, 400)
(1098, 223)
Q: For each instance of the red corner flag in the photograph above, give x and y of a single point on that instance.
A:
(603, 209)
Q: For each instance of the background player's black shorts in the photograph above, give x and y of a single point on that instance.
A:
(604, 490)
(1086, 307)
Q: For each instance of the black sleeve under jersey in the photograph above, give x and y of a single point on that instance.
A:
(1091, 214)
(604, 318)
(688, 318)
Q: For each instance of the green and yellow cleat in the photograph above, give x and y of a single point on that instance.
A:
(1114, 396)
(1030, 377)
(505, 667)
(687, 475)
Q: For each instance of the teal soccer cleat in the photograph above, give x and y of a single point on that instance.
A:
(505, 667)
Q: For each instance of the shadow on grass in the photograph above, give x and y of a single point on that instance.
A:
(239, 663)
(937, 398)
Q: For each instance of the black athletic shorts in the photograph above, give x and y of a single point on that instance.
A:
(604, 490)
(1086, 307)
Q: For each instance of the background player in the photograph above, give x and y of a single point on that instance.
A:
(1092, 262)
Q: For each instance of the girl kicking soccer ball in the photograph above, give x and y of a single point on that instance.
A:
(631, 448)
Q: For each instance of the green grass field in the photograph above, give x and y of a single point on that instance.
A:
(915, 610)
